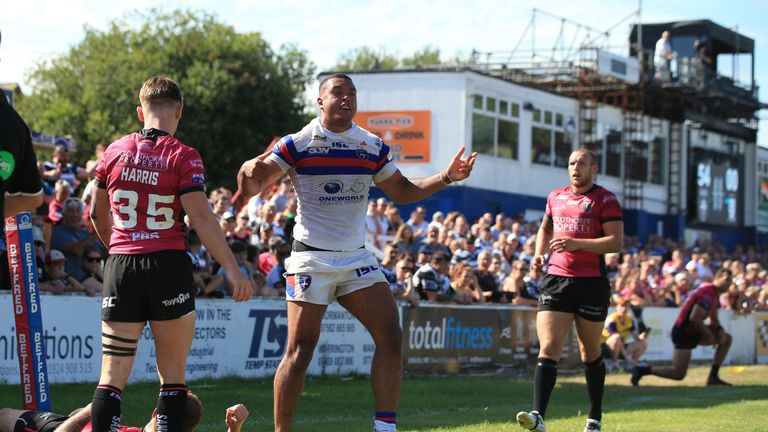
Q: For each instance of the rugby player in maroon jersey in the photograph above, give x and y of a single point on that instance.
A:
(690, 331)
(146, 181)
(79, 420)
(582, 222)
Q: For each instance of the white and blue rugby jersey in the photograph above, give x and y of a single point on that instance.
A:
(332, 174)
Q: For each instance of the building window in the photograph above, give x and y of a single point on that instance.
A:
(656, 161)
(495, 132)
(482, 134)
(551, 144)
(508, 133)
(613, 153)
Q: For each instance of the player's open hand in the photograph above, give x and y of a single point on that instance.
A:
(460, 169)
(564, 244)
(235, 416)
(242, 289)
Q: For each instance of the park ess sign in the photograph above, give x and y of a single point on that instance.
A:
(405, 132)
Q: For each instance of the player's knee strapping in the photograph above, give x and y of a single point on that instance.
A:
(171, 407)
(112, 345)
(105, 409)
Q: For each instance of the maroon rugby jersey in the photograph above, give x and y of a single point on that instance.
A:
(580, 216)
(145, 179)
(706, 297)
(122, 428)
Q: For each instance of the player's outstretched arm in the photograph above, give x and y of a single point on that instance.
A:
(207, 227)
(76, 421)
(403, 190)
(235, 417)
(102, 221)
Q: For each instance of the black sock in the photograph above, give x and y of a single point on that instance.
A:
(105, 409)
(171, 407)
(543, 382)
(714, 371)
(594, 371)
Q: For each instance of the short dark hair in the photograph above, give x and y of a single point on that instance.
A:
(595, 160)
(332, 76)
(193, 414)
(160, 90)
(439, 257)
(238, 246)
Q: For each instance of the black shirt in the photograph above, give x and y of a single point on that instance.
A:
(22, 177)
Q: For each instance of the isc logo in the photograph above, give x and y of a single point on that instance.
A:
(270, 332)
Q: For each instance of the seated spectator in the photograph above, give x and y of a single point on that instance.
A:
(227, 224)
(674, 265)
(498, 226)
(264, 233)
(202, 270)
(275, 281)
(621, 339)
(464, 252)
(484, 241)
(433, 239)
(268, 259)
(401, 285)
(72, 238)
(424, 255)
(487, 280)
(431, 280)
(241, 231)
(280, 226)
(464, 284)
(418, 223)
(94, 276)
(224, 287)
(515, 286)
(498, 269)
(394, 221)
(60, 169)
(56, 206)
(404, 240)
(55, 278)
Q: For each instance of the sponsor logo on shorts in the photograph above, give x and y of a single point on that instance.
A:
(181, 298)
(362, 271)
(108, 302)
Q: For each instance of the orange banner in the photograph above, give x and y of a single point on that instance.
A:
(405, 132)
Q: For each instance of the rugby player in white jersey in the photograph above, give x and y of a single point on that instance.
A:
(332, 164)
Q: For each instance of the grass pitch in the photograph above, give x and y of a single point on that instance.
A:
(467, 403)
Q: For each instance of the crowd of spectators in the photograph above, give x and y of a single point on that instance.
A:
(442, 257)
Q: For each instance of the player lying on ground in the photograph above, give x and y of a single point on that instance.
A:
(13, 420)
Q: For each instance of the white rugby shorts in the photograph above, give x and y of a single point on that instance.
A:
(321, 277)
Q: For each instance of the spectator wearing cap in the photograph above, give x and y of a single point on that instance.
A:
(60, 195)
(227, 224)
(59, 168)
(424, 255)
(224, 288)
(72, 238)
(431, 280)
(56, 279)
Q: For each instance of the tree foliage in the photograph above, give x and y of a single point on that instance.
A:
(365, 58)
(238, 91)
